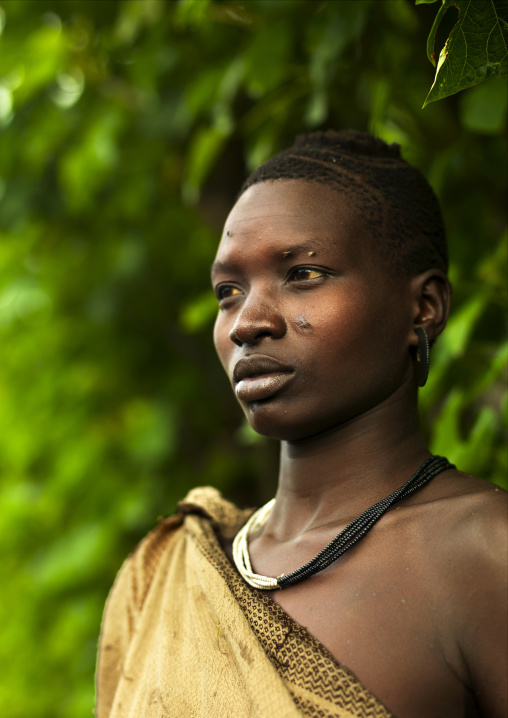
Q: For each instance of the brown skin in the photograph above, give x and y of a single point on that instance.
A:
(417, 609)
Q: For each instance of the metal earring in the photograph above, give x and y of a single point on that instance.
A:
(422, 356)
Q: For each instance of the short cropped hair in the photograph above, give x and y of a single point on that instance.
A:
(397, 203)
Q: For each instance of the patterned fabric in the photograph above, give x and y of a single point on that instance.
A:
(184, 636)
(319, 685)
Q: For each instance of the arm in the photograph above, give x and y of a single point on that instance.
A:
(116, 634)
(482, 601)
(124, 605)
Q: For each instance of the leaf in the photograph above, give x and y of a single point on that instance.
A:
(431, 40)
(498, 366)
(203, 152)
(475, 50)
(447, 440)
(454, 341)
(199, 313)
(265, 59)
(474, 453)
(86, 166)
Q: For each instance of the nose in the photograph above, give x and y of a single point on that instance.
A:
(256, 319)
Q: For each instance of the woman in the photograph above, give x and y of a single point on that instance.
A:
(331, 282)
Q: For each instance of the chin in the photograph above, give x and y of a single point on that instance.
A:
(272, 420)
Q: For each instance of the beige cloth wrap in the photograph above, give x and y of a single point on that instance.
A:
(184, 637)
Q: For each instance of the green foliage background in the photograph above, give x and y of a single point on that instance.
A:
(126, 130)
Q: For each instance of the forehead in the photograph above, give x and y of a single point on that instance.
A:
(297, 212)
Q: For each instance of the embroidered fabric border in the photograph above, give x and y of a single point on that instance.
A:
(320, 687)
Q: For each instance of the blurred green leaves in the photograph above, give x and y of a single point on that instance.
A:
(483, 109)
(126, 131)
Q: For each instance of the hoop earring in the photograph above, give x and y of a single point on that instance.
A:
(422, 356)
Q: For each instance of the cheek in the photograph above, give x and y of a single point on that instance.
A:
(221, 340)
(360, 327)
(376, 331)
(347, 319)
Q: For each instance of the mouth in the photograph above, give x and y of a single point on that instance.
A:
(259, 377)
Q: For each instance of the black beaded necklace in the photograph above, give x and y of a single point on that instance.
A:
(345, 540)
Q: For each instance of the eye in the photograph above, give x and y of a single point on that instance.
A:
(225, 291)
(305, 273)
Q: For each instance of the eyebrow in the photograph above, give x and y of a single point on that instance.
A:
(226, 267)
(313, 245)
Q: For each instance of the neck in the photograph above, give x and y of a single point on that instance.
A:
(333, 477)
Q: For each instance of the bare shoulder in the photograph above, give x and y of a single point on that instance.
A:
(461, 534)
(455, 483)
(470, 541)
(469, 517)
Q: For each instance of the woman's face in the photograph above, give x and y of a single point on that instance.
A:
(313, 330)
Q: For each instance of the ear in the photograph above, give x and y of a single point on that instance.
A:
(431, 293)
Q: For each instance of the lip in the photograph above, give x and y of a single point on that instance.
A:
(259, 376)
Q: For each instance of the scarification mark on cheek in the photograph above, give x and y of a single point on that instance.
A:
(303, 323)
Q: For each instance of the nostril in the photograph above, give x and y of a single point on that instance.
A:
(256, 321)
(235, 339)
(250, 339)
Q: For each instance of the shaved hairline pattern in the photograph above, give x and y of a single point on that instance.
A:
(398, 206)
